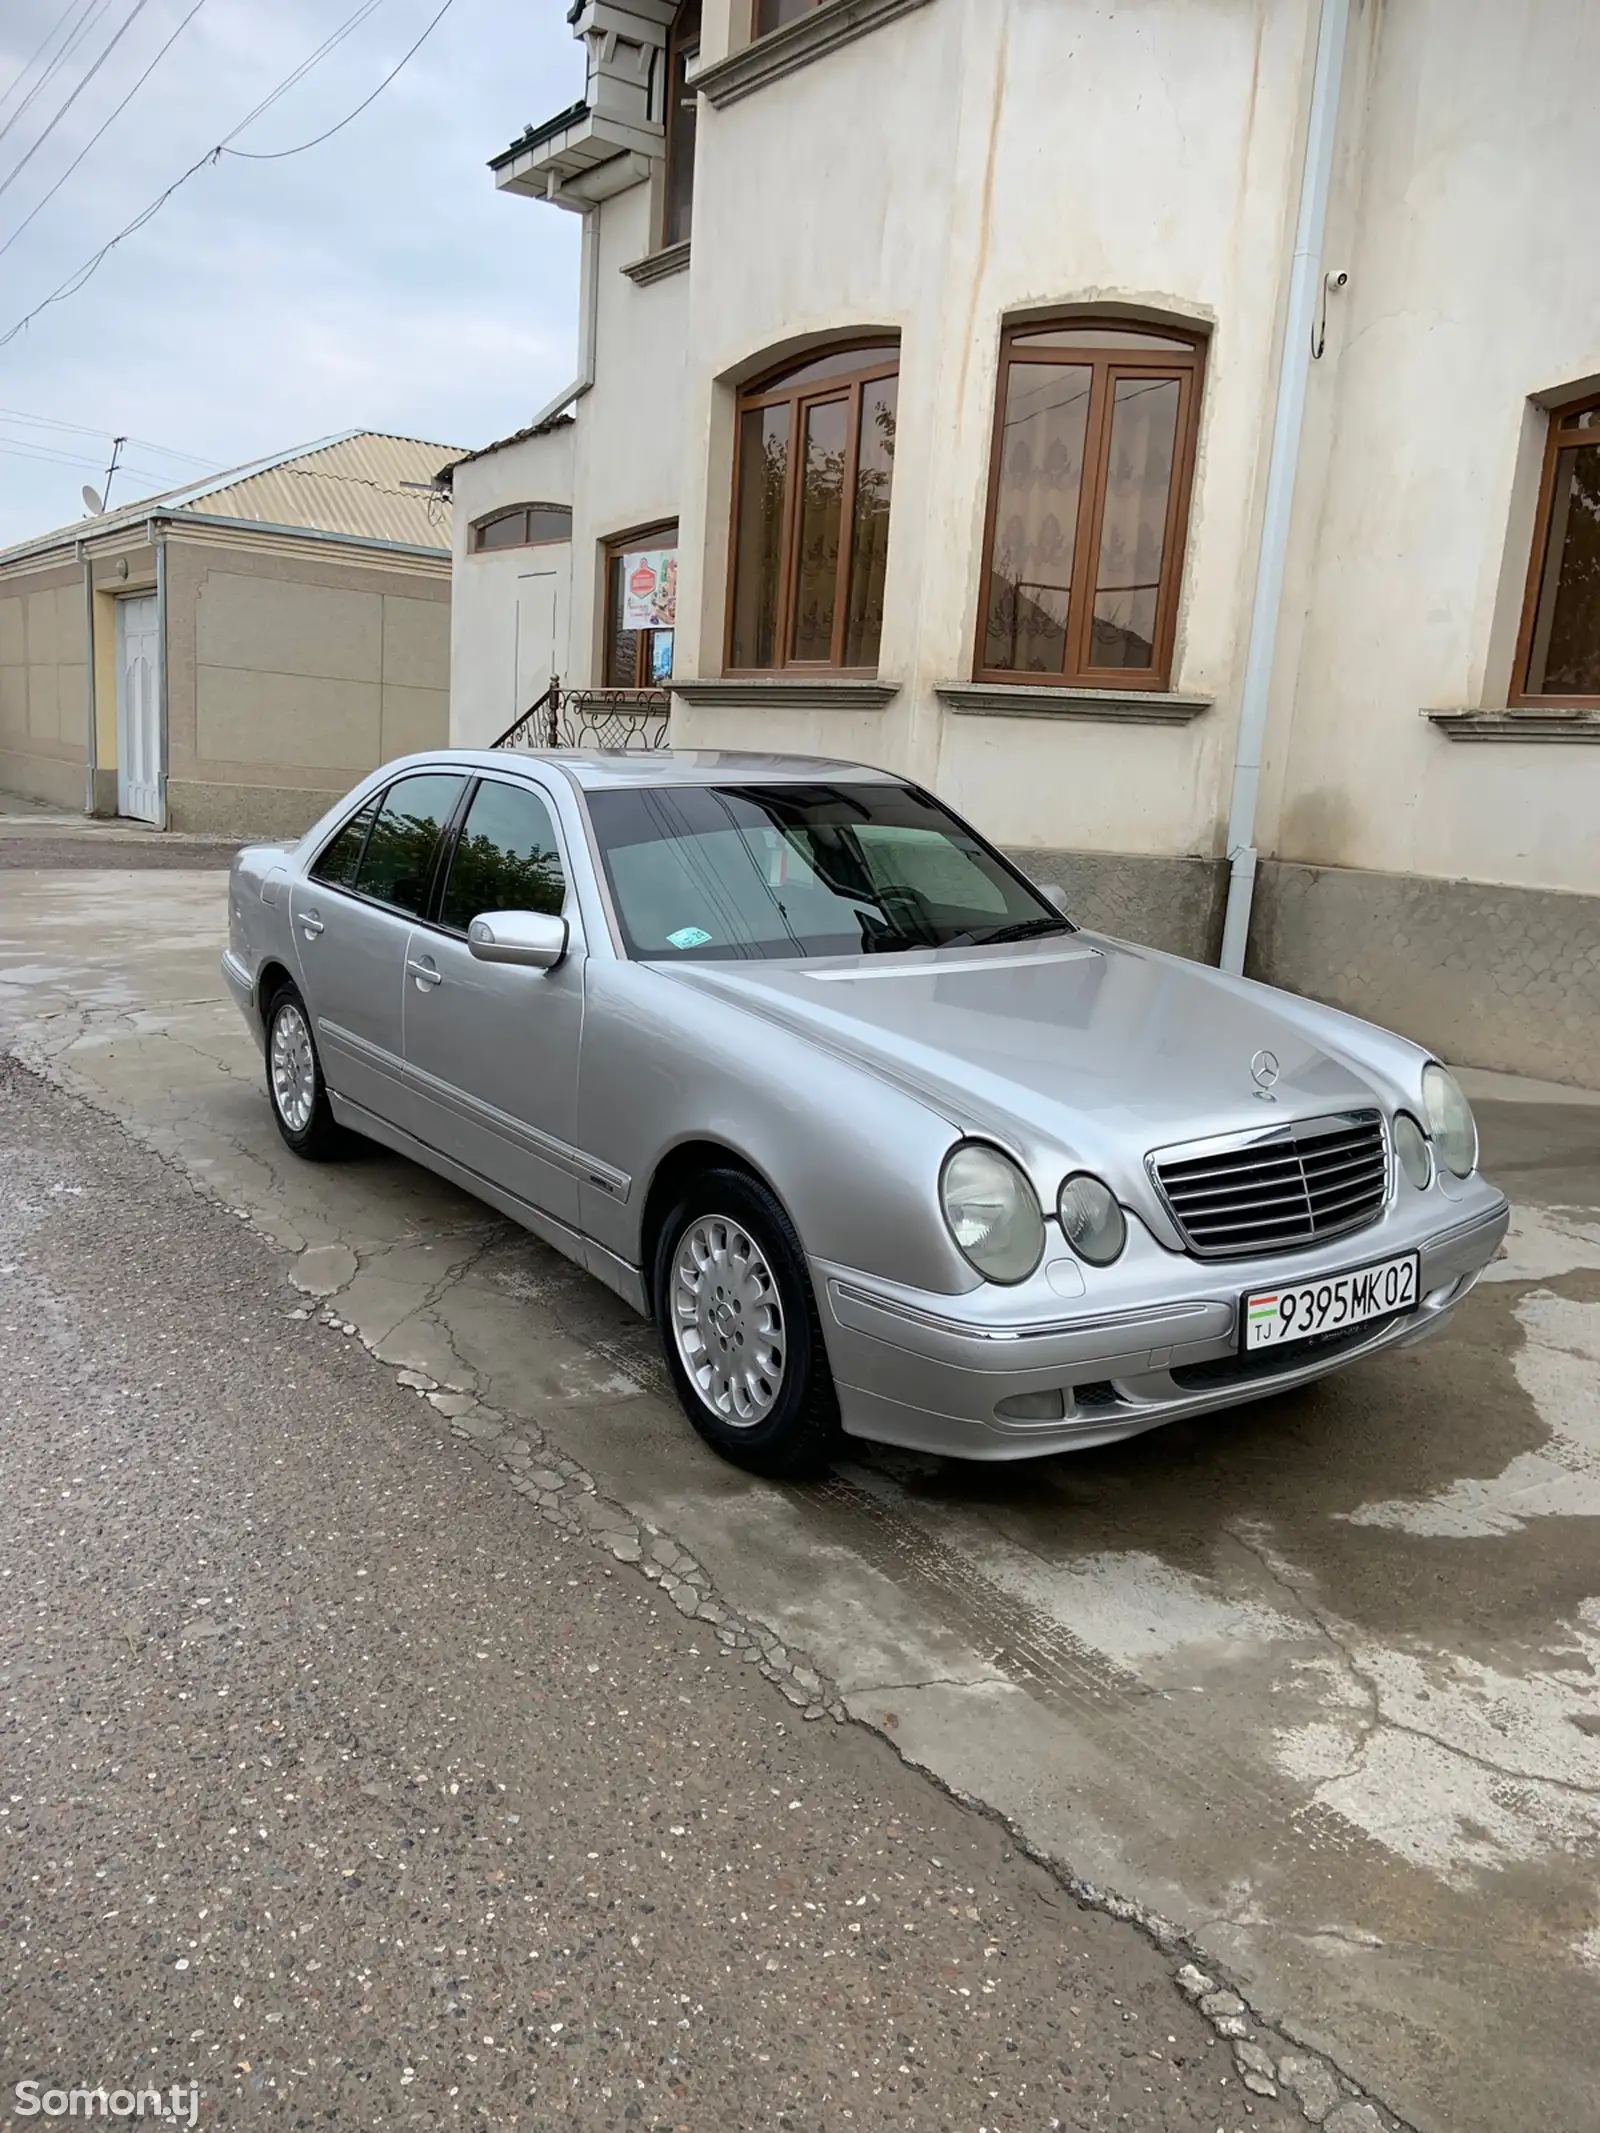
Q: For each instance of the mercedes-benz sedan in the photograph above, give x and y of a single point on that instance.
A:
(800, 1065)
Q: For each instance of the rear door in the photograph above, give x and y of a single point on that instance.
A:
(351, 915)
(492, 1048)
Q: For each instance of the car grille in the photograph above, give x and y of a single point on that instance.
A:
(1276, 1191)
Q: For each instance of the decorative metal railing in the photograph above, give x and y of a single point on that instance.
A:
(611, 721)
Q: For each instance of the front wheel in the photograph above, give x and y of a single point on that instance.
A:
(739, 1322)
(300, 1106)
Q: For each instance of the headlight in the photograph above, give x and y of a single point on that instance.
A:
(1450, 1121)
(992, 1211)
(1411, 1146)
(1091, 1221)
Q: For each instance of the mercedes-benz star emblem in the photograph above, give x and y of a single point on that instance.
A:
(1264, 1072)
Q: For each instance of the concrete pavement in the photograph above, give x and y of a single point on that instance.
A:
(1314, 1680)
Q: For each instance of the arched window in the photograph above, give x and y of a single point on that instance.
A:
(1089, 482)
(1558, 656)
(523, 526)
(813, 471)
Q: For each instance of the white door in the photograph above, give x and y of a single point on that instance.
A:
(138, 709)
(534, 652)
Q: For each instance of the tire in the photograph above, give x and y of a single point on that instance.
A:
(296, 1090)
(742, 1337)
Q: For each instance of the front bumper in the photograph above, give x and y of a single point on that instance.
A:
(1152, 1339)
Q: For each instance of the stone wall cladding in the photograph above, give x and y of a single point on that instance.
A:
(1487, 976)
(1175, 904)
(257, 811)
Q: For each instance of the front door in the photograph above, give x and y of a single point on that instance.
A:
(351, 915)
(534, 653)
(139, 708)
(492, 1048)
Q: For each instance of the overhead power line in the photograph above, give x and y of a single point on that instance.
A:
(76, 280)
(34, 56)
(277, 154)
(86, 22)
(18, 416)
(78, 88)
(40, 205)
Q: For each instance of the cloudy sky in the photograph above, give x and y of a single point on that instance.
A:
(376, 282)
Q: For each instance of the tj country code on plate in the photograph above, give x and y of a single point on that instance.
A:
(1309, 1307)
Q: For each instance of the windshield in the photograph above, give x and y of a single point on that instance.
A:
(712, 873)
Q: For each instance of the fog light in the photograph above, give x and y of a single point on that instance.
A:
(1033, 1407)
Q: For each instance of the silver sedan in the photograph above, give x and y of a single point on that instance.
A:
(790, 1057)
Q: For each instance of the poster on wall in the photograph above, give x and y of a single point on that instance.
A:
(650, 589)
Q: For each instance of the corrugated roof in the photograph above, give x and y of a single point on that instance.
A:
(352, 485)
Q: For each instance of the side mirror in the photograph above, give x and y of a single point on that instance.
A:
(1053, 893)
(531, 938)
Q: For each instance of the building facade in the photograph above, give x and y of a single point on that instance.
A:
(1170, 429)
(232, 656)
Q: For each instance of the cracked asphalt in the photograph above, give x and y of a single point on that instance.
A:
(340, 1783)
(1318, 1680)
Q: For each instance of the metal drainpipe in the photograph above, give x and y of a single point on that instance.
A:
(91, 758)
(157, 535)
(588, 318)
(1293, 365)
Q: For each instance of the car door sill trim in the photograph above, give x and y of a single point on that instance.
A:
(625, 1280)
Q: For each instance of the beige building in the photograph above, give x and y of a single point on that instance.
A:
(1162, 426)
(232, 656)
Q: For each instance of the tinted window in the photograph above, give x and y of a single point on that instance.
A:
(337, 861)
(399, 855)
(506, 859)
(707, 874)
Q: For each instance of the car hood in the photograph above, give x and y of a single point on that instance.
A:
(1074, 1045)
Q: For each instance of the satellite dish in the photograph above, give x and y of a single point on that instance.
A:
(91, 500)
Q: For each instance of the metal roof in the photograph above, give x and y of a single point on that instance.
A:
(548, 427)
(352, 485)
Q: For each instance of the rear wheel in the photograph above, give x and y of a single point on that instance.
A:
(300, 1106)
(739, 1322)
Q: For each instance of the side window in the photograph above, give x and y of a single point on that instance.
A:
(398, 861)
(506, 858)
(336, 863)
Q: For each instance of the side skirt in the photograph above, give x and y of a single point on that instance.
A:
(617, 1274)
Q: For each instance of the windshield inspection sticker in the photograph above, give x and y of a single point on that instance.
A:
(689, 937)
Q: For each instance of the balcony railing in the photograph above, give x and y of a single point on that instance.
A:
(609, 721)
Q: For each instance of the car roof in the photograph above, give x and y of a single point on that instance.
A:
(594, 771)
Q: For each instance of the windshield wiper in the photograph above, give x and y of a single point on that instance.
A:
(1021, 930)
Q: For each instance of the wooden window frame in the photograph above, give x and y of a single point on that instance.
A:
(800, 398)
(1109, 364)
(650, 536)
(1562, 435)
(496, 518)
(679, 46)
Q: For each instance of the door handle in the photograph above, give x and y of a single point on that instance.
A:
(310, 925)
(426, 975)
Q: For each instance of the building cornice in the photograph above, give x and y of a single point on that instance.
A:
(781, 692)
(1126, 707)
(1555, 722)
(656, 266)
(820, 31)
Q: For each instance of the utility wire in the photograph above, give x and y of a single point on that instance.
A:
(79, 86)
(76, 280)
(94, 9)
(33, 58)
(277, 154)
(16, 415)
(117, 113)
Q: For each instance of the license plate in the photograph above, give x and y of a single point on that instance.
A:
(1297, 1312)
